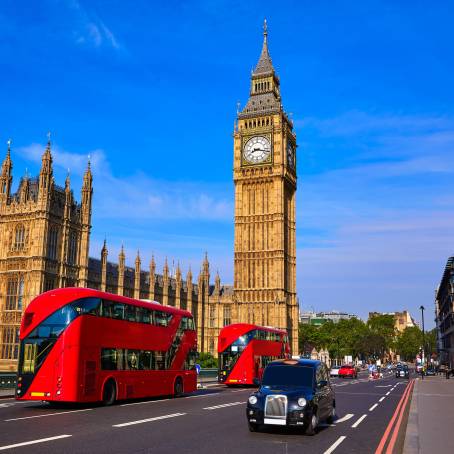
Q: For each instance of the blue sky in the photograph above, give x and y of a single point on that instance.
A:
(149, 90)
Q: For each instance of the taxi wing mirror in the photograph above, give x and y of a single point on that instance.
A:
(256, 381)
(322, 384)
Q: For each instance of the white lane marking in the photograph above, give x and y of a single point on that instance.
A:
(48, 414)
(382, 399)
(144, 402)
(6, 405)
(373, 407)
(202, 395)
(240, 390)
(335, 445)
(383, 386)
(40, 440)
(141, 421)
(345, 418)
(358, 422)
(231, 404)
(388, 393)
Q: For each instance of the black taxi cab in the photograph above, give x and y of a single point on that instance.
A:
(293, 392)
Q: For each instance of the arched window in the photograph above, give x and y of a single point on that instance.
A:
(52, 241)
(72, 248)
(14, 293)
(10, 342)
(19, 238)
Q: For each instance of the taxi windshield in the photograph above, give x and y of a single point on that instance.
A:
(285, 375)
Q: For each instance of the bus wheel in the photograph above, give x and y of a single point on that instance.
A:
(109, 393)
(178, 387)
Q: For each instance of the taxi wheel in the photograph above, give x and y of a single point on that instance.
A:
(333, 415)
(311, 428)
(252, 427)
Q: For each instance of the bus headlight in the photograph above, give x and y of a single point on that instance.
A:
(252, 400)
(302, 402)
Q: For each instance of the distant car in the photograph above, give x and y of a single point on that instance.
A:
(292, 393)
(348, 371)
(402, 371)
(430, 371)
(334, 372)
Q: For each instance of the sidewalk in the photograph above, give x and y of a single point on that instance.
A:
(431, 419)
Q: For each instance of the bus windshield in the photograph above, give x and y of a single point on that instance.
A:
(288, 376)
(37, 345)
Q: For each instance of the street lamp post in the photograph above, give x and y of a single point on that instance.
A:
(423, 341)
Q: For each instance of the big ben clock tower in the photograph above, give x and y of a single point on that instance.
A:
(265, 188)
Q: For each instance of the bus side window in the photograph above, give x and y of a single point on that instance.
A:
(132, 359)
(130, 313)
(89, 306)
(143, 315)
(160, 318)
(111, 359)
(160, 360)
(118, 311)
(145, 360)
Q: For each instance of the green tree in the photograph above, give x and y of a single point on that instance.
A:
(370, 345)
(308, 338)
(431, 342)
(207, 361)
(409, 343)
(383, 325)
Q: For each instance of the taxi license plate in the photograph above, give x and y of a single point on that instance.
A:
(276, 422)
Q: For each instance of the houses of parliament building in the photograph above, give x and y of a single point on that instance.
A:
(45, 236)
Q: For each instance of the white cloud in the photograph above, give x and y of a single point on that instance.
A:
(151, 198)
(90, 30)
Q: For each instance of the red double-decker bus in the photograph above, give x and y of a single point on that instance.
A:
(245, 350)
(82, 345)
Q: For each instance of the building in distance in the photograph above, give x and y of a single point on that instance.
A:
(402, 319)
(319, 318)
(444, 315)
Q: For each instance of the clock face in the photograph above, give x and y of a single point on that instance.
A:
(257, 150)
(290, 155)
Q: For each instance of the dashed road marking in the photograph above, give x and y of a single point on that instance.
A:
(141, 421)
(335, 444)
(48, 414)
(231, 404)
(202, 395)
(32, 442)
(358, 422)
(388, 393)
(373, 407)
(144, 402)
(345, 418)
(382, 399)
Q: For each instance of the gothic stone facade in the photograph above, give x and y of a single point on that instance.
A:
(44, 241)
(45, 233)
(44, 244)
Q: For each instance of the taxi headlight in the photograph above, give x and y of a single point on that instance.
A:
(252, 400)
(302, 402)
